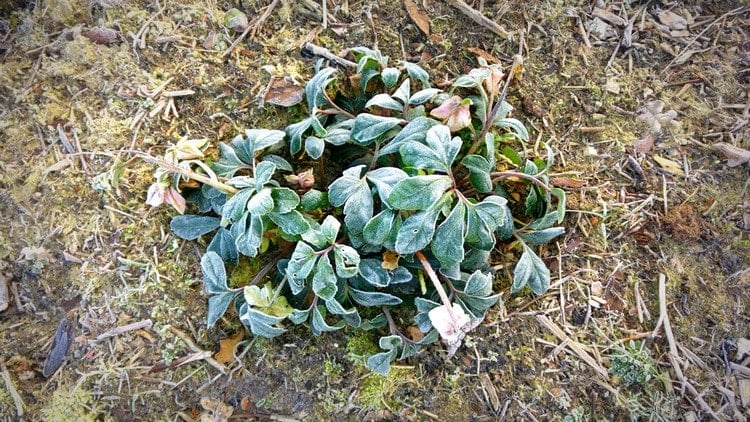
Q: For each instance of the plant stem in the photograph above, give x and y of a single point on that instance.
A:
(499, 175)
(392, 325)
(189, 173)
(436, 282)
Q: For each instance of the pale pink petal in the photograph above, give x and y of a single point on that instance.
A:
(448, 107)
(155, 195)
(455, 113)
(175, 199)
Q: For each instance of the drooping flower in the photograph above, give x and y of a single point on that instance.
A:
(452, 325)
(163, 193)
(454, 112)
(186, 149)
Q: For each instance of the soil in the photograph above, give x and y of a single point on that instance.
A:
(650, 202)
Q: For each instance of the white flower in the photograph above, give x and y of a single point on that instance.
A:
(452, 325)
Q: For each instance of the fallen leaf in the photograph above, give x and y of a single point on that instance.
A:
(60, 345)
(672, 20)
(215, 410)
(226, 347)
(644, 144)
(414, 333)
(483, 54)
(735, 155)
(284, 92)
(390, 260)
(418, 16)
(669, 165)
(567, 182)
(99, 35)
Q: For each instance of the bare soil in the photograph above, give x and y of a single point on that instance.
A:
(77, 240)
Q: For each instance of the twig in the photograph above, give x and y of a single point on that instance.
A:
(238, 40)
(12, 390)
(189, 342)
(263, 17)
(436, 282)
(146, 323)
(732, 12)
(479, 18)
(323, 52)
(573, 345)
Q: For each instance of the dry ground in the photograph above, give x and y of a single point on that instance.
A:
(656, 249)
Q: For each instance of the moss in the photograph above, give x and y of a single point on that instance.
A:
(68, 404)
(361, 345)
(377, 390)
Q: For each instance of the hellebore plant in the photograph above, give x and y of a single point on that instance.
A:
(425, 184)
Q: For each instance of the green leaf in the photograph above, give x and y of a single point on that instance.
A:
(263, 173)
(380, 363)
(373, 298)
(319, 324)
(279, 162)
(236, 206)
(240, 182)
(542, 236)
(561, 200)
(465, 81)
(373, 272)
(418, 192)
(324, 280)
(378, 229)
(248, 242)
(515, 126)
(217, 306)
(223, 245)
(505, 230)
(351, 316)
(374, 323)
(545, 222)
(385, 101)
(347, 261)
(300, 265)
(284, 200)
(330, 229)
(342, 188)
(214, 273)
(511, 154)
(416, 72)
(368, 127)
(421, 97)
(478, 284)
(315, 88)
(314, 200)
(261, 203)
(191, 227)
(420, 156)
(298, 317)
(416, 232)
(358, 209)
(228, 162)
(530, 270)
(384, 178)
(264, 138)
(390, 76)
(291, 222)
(416, 130)
(535, 203)
(448, 246)
(492, 211)
(530, 168)
(260, 324)
(479, 172)
(403, 91)
(314, 147)
(295, 132)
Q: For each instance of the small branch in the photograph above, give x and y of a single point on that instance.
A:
(393, 327)
(436, 282)
(318, 51)
(146, 323)
(190, 344)
(187, 173)
(12, 390)
(479, 18)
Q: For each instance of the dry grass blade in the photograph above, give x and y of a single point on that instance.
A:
(573, 345)
(17, 401)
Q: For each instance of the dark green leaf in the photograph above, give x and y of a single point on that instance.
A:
(542, 236)
(330, 229)
(217, 306)
(515, 126)
(279, 162)
(415, 71)
(324, 280)
(358, 209)
(228, 162)
(314, 200)
(343, 187)
(298, 317)
(374, 323)
(261, 203)
(249, 241)
(236, 205)
(478, 284)
(291, 222)
(416, 232)
(351, 316)
(403, 91)
(418, 192)
(448, 246)
(390, 76)
(368, 127)
(385, 101)
(347, 261)
(416, 130)
(223, 245)
(264, 138)
(373, 272)
(479, 172)
(314, 147)
(300, 265)
(284, 200)
(380, 363)
(530, 270)
(512, 155)
(191, 227)
(315, 88)
(263, 173)
(384, 178)
(373, 298)
(378, 229)
(214, 273)
(536, 206)
(295, 132)
(421, 97)
(545, 222)
(561, 199)
(319, 324)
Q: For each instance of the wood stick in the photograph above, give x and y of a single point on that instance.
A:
(12, 390)
(146, 323)
(479, 18)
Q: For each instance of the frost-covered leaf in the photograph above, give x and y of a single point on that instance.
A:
(347, 261)
(416, 232)
(223, 245)
(191, 227)
(324, 280)
(217, 306)
(448, 245)
(530, 270)
(539, 237)
(377, 230)
(365, 298)
(314, 147)
(300, 265)
(418, 192)
(261, 203)
(236, 206)
(415, 130)
(214, 273)
(385, 101)
(369, 127)
(263, 173)
(390, 76)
